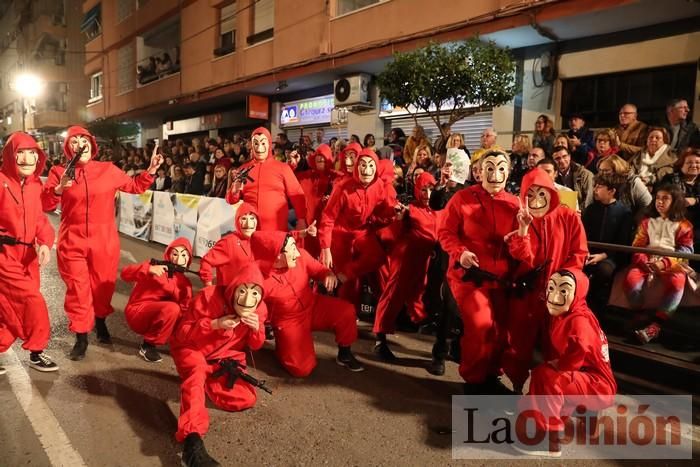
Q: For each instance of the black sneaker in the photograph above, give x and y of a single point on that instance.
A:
(80, 347)
(347, 359)
(194, 454)
(383, 352)
(436, 367)
(149, 353)
(103, 336)
(42, 362)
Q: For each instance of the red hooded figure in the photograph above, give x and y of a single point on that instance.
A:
(295, 309)
(273, 183)
(88, 242)
(232, 251)
(413, 239)
(577, 368)
(23, 312)
(473, 225)
(213, 335)
(158, 299)
(347, 232)
(317, 184)
(348, 160)
(555, 239)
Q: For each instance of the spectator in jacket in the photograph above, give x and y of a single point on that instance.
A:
(580, 138)
(193, 184)
(679, 129)
(656, 160)
(632, 191)
(574, 176)
(535, 155)
(178, 180)
(631, 133)
(219, 182)
(162, 181)
(606, 144)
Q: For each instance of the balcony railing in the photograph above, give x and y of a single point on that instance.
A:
(158, 66)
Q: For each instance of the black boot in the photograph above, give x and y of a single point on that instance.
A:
(347, 359)
(382, 349)
(436, 366)
(103, 336)
(80, 347)
(194, 454)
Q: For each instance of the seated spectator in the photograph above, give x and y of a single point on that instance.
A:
(605, 221)
(520, 151)
(631, 133)
(423, 158)
(535, 155)
(178, 180)
(162, 182)
(606, 145)
(417, 138)
(679, 129)
(632, 192)
(396, 136)
(370, 142)
(665, 228)
(219, 182)
(488, 142)
(456, 140)
(544, 134)
(194, 185)
(220, 158)
(165, 65)
(574, 176)
(656, 160)
(581, 139)
(549, 166)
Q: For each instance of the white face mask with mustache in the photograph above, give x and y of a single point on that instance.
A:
(26, 160)
(561, 290)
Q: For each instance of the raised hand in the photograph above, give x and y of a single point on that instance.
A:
(251, 320)
(156, 160)
(524, 218)
(65, 182)
(226, 322)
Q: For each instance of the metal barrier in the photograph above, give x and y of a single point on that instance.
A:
(650, 251)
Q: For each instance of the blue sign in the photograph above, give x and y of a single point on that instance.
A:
(316, 111)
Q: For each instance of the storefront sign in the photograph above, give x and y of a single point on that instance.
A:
(258, 107)
(316, 111)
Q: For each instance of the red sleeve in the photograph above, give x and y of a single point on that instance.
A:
(233, 198)
(257, 339)
(579, 344)
(195, 327)
(520, 248)
(578, 244)
(136, 272)
(329, 216)
(49, 199)
(45, 234)
(137, 184)
(314, 269)
(449, 228)
(217, 256)
(294, 191)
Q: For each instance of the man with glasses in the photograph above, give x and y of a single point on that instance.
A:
(679, 129)
(631, 132)
(574, 176)
(488, 143)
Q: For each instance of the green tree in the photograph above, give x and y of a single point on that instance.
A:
(113, 130)
(450, 81)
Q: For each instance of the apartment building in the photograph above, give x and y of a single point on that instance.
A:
(186, 67)
(42, 38)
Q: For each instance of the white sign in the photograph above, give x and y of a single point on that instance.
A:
(163, 218)
(216, 217)
(135, 214)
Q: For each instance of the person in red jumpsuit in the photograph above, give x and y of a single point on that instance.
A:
(576, 369)
(159, 298)
(88, 242)
(296, 310)
(348, 158)
(472, 232)
(317, 184)
(26, 246)
(347, 231)
(209, 342)
(550, 237)
(273, 183)
(414, 238)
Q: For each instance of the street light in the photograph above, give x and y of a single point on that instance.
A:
(28, 86)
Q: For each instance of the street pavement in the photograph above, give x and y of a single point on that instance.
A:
(115, 409)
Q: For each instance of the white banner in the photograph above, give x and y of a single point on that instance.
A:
(216, 217)
(185, 222)
(135, 214)
(163, 217)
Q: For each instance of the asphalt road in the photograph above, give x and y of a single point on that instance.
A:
(114, 409)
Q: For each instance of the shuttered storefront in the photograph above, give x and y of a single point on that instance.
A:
(293, 134)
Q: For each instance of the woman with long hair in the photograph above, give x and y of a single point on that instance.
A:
(544, 134)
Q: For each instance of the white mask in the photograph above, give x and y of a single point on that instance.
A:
(180, 256)
(561, 290)
(260, 146)
(538, 200)
(495, 170)
(81, 141)
(246, 298)
(27, 160)
(248, 224)
(367, 170)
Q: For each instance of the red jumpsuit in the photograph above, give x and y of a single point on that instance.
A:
(316, 185)
(88, 242)
(559, 237)
(295, 310)
(413, 241)
(477, 221)
(23, 312)
(273, 182)
(348, 226)
(197, 348)
(230, 253)
(156, 303)
(581, 373)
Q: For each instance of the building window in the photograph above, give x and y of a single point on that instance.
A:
(126, 63)
(125, 8)
(346, 6)
(158, 51)
(600, 97)
(91, 26)
(96, 87)
(263, 21)
(56, 97)
(227, 30)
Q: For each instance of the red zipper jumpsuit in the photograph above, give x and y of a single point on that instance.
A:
(156, 303)
(88, 242)
(197, 348)
(316, 185)
(23, 312)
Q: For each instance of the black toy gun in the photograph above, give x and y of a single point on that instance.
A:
(234, 370)
(243, 175)
(404, 198)
(478, 276)
(172, 267)
(7, 240)
(528, 281)
(70, 167)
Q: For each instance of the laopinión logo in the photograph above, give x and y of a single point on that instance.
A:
(572, 427)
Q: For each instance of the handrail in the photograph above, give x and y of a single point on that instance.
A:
(651, 251)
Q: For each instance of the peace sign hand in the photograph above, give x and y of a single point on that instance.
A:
(524, 218)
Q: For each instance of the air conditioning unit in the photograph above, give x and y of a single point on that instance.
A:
(352, 90)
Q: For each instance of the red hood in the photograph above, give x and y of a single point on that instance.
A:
(369, 153)
(20, 140)
(350, 147)
(180, 241)
(423, 180)
(242, 210)
(539, 177)
(264, 131)
(248, 274)
(266, 246)
(75, 131)
(385, 171)
(325, 151)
